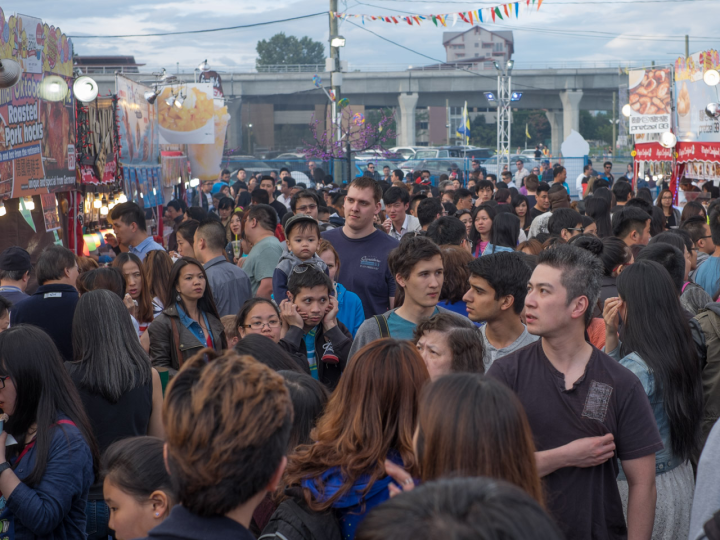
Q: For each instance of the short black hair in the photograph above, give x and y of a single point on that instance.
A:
(417, 198)
(642, 204)
(304, 194)
(259, 196)
(428, 210)
(484, 184)
(461, 193)
(447, 230)
(198, 213)
(5, 306)
(607, 163)
(411, 251)
(129, 213)
(563, 218)
(308, 278)
(213, 233)
(399, 174)
(625, 220)
(715, 224)
(265, 216)
(187, 230)
(586, 167)
(289, 180)
(53, 262)
(622, 190)
(395, 194)
(557, 171)
(267, 177)
(224, 172)
(337, 198)
(669, 257)
(178, 205)
(543, 186)
(684, 235)
(225, 203)
(695, 226)
(507, 273)
(449, 208)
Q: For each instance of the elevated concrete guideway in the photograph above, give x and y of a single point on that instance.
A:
(561, 92)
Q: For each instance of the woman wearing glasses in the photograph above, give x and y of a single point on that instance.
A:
(260, 316)
(189, 323)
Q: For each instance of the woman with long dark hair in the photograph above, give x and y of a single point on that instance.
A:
(271, 354)
(692, 208)
(599, 210)
(522, 210)
(158, 265)
(470, 425)
(481, 233)
(121, 393)
(137, 286)
(665, 203)
(370, 417)
(52, 467)
(190, 322)
(662, 355)
(505, 233)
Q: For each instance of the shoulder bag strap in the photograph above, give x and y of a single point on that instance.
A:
(176, 341)
(383, 325)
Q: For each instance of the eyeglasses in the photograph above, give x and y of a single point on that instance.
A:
(371, 167)
(2, 381)
(306, 208)
(258, 325)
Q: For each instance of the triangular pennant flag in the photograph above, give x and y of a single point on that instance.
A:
(363, 19)
(408, 20)
(434, 19)
(492, 11)
(471, 18)
(332, 15)
(528, 3)
(463, 17)
(417, 19)
(478, 14)
(539, 2)
(505, 10)
(517, 9)
(454, 19)
(497, 12)
(394, 20)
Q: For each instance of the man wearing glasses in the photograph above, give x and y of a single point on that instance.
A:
(606, 174)
(203, 197)
(565, 223)
(306, 202)
(371, 172)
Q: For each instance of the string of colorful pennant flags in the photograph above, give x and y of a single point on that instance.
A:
(481, 15)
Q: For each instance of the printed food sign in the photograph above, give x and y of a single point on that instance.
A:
(37, 136)
(650, 101)
(693, 95)
(191, 123)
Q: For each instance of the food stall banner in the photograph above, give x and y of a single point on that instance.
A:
(37, 135)
(213, 77)
(206, 159)
(650, 101)
(698, 151)
(652, 152)
(137, 123)
(693, 95)
(193, 122)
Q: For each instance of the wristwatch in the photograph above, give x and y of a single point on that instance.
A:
(4, 466)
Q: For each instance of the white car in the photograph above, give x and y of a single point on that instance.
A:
(407, 152)
(491, 165)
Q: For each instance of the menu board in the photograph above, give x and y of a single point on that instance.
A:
(693, 95)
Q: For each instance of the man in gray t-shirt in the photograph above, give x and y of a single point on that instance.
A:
(498, 286)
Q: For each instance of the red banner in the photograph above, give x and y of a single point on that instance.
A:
(652, 151)
(698, 151)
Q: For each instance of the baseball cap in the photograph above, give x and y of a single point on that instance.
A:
(15, 259)
(297, 218)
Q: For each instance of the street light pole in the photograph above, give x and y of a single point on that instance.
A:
(335, 56)
(504, 114)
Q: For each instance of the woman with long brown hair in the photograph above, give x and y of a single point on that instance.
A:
(672, 214)
(370, 418)
(470, 425)
(137, 286)
(158, 265)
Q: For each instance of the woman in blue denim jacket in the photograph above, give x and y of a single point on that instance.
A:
(45, 478)
(657, 347)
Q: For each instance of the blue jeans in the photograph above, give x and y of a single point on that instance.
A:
(98, 515)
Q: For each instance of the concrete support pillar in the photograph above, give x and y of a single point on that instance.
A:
(406, 126)
(571, 111)
(234, 135)
(556, 125)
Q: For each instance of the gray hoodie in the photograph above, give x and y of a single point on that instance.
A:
(284, 268)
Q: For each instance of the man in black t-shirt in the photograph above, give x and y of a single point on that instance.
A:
(584, 409)
(268, 184)
(542, 200)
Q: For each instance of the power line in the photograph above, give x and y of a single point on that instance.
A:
(208, 30)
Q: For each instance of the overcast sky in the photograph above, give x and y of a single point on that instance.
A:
(538, 34)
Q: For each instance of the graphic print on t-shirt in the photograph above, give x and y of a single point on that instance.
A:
(596, 403)
(372, 263)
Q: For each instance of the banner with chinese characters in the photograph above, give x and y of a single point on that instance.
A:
(693, 95)
(650, 101)
(37, 134)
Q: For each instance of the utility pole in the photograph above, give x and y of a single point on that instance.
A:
(335, 57)
(504, 114)
(687, 46)
(447, 124)
(614, 122)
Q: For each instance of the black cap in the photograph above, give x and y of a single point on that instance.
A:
(298, 218)
(15, 259)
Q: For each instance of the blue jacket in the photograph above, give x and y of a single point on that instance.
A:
(352, 507)
(350, 309)
(55, 507)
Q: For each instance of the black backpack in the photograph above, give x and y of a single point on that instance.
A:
(293, 520)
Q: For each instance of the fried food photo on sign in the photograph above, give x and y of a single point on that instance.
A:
(56, 129)
(196, 111)
(652, 95)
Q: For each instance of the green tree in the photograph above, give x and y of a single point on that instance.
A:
(282, 49)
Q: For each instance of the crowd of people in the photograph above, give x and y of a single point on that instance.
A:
(483, 358)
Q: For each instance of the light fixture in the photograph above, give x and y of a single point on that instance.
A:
(337, 41)
(194, 182)
(250, 126)
(53, 88)
(151, 96)
(111, 205)
(179, 100)
(85, 89)
(122, 198)
(96, 201)
(489, 96)
(497, 66)
(655, 178)
(516, 96)
(627, 110)
(104, 206)
(29, 204)
(660, 176)
(3, 210)
(170, 100)
(668, 139)
(711, 77)
(713, 110)
(510, 64)
(204, 66)
(10, 73)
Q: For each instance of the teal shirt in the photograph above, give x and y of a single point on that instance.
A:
(401, 328)
(310, 346)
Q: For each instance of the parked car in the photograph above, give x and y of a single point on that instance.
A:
(481, 154)
(407, 152)
(491, 165)
(432, 153)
